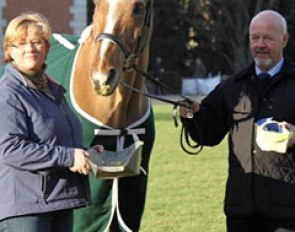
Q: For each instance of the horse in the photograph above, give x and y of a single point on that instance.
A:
(93, 68)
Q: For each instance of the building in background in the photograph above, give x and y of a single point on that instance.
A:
(65, 16)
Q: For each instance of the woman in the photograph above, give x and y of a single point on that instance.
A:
(42, 166)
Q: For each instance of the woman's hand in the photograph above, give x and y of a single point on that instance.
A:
(99, 148)
(81, 162)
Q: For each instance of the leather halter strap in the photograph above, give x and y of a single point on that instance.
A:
(141, 40)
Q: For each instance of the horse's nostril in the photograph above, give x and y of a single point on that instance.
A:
(111, 76)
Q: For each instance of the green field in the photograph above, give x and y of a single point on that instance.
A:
(185, 193)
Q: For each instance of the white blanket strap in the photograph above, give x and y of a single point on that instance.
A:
(114, 132)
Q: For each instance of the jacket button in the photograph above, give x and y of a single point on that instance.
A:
(254, 151)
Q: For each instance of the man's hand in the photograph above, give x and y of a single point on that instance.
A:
(185, 111)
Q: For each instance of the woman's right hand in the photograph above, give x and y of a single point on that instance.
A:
(81, 162)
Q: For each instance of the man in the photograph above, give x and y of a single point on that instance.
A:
(260, 189)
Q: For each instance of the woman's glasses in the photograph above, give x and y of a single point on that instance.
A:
(34, 43)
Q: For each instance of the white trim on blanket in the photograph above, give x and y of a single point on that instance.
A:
(63, 41)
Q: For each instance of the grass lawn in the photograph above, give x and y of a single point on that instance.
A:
(185, 193)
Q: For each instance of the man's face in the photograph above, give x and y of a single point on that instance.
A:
(267, 41)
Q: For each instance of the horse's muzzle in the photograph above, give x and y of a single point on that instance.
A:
(103, 90)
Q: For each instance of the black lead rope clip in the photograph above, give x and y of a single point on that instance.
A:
(190, 112)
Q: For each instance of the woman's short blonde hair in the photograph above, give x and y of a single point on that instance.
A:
(18, 27)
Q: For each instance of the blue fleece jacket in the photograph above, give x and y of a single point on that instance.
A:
(38, 134)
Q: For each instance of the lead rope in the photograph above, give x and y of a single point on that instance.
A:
(190, 149)
(184, 137)
(184, 134)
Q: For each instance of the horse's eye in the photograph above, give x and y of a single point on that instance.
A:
(138, 9)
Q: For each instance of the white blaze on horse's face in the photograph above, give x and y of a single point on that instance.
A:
(117, 32)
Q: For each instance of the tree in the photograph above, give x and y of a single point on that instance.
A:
(215, 30)
(169, 37)
(221, 28)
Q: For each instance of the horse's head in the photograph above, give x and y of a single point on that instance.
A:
(121, 32)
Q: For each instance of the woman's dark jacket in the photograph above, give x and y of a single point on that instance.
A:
(258, 181)
(38, 134)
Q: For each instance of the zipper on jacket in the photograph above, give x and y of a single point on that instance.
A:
(64, 111)
(59, 99)
(43, 189)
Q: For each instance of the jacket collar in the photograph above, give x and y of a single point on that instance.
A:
(288, 69)
(54, 86)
